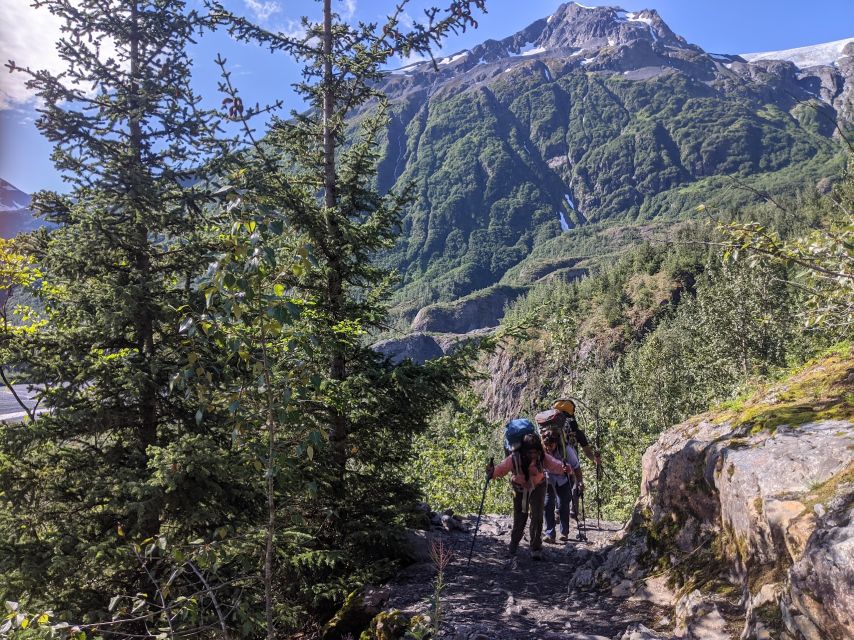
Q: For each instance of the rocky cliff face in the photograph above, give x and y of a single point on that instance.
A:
(751, 512)
(513, 384)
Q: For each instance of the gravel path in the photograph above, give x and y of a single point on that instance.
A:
(507, 597)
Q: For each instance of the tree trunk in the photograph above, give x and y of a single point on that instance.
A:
(147, 428)
(269, 553)
(334, 284)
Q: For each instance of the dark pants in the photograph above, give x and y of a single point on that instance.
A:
(573, 510)
(536, 500)
(559, 497)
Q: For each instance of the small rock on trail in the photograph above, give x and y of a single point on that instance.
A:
(504, 597)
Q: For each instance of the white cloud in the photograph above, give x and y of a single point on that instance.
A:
(262, 11)
(413, 58)
(349, 9)
(28, 36)
(290, 28)
(406, 20)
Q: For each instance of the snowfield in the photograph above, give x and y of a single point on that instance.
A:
(827, 53)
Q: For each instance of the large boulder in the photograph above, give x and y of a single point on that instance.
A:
(761, 495)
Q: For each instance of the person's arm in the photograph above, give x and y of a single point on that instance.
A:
(554, 465)
(593, 456)
(502, 469)
(584, 445)
(572, 458)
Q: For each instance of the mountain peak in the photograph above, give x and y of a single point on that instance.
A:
(12, 198)
(572, 30)
(15, 215)
(575, 25)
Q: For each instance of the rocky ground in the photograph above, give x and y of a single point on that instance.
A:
(506, 597)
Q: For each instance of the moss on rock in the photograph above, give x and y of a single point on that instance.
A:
(387, 625)
(823, 389)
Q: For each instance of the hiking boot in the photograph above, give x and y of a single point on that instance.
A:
(550, 539)
(537, 555)
(512, 548)
(563, 536)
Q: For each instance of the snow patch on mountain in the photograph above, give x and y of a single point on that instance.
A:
(827, 53)
(533, 51)
(12, 198)
(454, 58)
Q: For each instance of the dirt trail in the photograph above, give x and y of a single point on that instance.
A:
(507, 597)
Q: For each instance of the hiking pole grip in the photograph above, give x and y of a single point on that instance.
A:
(480, 510)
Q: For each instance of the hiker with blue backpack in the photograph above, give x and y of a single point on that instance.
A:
(528, 462)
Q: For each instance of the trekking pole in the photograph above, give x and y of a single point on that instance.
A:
(480, 511)
(583, 514)
(581, 517)
(598, 477)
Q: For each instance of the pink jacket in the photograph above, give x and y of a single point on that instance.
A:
(535, 475)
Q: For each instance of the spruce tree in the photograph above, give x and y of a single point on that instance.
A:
(346, 220)
(117, 459)
(334, 418)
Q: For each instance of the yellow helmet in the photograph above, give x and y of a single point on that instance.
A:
(566, 405)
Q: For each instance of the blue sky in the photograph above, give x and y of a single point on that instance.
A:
(722, 26)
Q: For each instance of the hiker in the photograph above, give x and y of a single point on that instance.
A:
(529, 489)
(559, 488)
(576, 436)
(577, 439)
(560, 421)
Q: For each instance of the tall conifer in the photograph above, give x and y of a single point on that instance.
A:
(116, 458)
(340, 495)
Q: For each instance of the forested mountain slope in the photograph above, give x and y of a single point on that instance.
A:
(590, 115)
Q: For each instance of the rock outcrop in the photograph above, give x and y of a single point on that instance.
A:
(478, 311)
(418, 347)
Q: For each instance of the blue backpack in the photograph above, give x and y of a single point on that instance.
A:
(515, 431)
